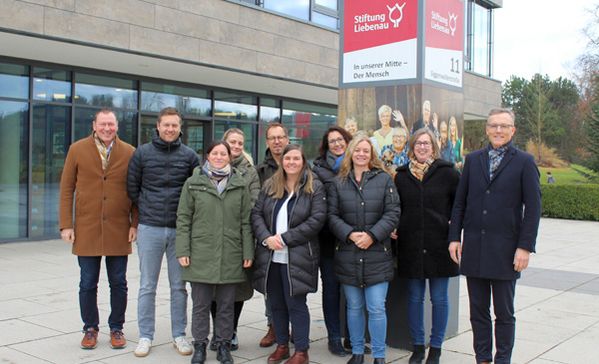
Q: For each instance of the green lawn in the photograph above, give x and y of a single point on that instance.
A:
(569, 175)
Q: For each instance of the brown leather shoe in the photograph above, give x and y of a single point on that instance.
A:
(117, 339)
(268, 339)
(281, 353)
(299, 357)
(90, 339)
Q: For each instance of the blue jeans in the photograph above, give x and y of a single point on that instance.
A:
(152, 244)
(440, 301)
(116, 269)
(330, 298)
(374, 297)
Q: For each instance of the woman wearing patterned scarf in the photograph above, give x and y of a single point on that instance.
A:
(214, 245)
(426, 187)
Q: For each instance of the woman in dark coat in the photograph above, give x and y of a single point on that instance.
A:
(363, 211)
(426, 186)
(326, 166)
(289, 213)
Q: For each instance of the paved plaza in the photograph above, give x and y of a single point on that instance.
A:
(557, 304)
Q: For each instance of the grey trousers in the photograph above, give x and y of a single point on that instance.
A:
(202, 295)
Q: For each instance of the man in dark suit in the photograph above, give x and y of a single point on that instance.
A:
(498, 207)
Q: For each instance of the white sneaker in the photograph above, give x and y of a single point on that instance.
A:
(182, 346)
(143, 347)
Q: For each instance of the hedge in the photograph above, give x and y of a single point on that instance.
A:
(576, 202)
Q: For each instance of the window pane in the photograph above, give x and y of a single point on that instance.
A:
(480, 42)
(193, 132)
(14, 147)
(307, 124)
(270, 114)
(188, 101)
(249, 131)
(325, 20)
(194, 135)
(14, 81)
(233, 106)
(147, 129)
(105, 91)
(84, 117)
(331, 4)
(51, 85)
(49, 148)
(297, 8)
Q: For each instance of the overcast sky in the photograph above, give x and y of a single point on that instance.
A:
(543, 36)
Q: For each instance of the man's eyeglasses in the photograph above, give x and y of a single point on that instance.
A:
(499, 126)
(277, 138)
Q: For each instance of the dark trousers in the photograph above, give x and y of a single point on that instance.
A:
(116, 269)
(286, 308)
(202, 295)
(236, 312)
(330, 298)
(480, 292)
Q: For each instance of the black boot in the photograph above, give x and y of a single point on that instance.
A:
(223, 353)
(347, 345)
(379, 361)
(433, 355)
(356, 359)
(336, 348)
(199, 353)
(417, 355)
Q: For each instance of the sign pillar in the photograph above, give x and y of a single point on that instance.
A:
(401, 67)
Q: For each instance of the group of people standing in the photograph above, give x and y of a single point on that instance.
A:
(227, 228)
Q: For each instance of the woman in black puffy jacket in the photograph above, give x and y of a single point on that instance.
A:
(363, 211)
(326, 166)
(289, 213)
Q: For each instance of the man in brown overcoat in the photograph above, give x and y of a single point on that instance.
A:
(105, 222)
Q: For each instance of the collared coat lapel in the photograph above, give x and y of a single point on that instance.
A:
(484, 160)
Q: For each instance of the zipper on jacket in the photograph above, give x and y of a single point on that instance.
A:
(289, 277)
(266, 276)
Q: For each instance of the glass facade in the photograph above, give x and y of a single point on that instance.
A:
(307, 125)
(44, 108)
(321, 12)
(14, 145)
(479, 39)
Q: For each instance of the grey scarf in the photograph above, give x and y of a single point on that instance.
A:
(218, 177)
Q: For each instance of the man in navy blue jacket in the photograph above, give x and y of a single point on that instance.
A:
(498, 207)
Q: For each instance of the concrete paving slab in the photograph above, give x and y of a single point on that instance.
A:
(16, 331)
(12, 356)
(581, 348)
(65, 321)
(19, 308)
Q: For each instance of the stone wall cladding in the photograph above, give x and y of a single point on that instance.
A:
(216, 32)
(480, 94)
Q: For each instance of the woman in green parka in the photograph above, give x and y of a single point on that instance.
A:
(243, 163)
(214, 244)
